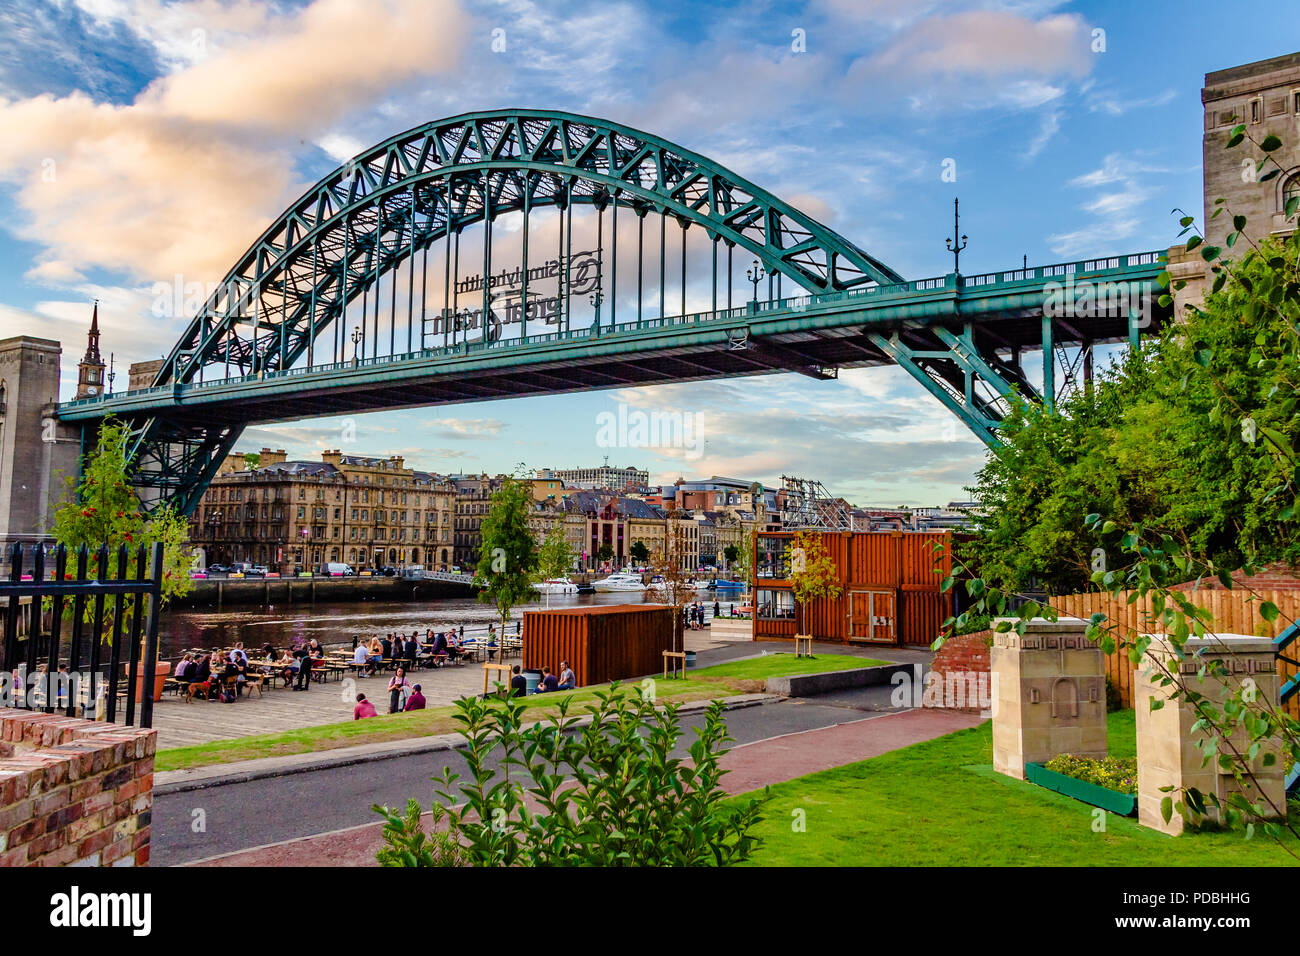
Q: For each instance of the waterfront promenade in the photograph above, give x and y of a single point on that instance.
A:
(181, 724)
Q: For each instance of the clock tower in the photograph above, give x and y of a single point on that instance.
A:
(90, 371)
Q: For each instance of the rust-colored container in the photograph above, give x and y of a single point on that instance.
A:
(891, 582)
(601, 644)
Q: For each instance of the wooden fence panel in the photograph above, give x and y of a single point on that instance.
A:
(1235, 612)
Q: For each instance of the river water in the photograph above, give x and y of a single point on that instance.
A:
(288, 624)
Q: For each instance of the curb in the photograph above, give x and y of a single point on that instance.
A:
(811, 685)
(201, 778)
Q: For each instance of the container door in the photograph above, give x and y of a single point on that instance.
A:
(872, 617)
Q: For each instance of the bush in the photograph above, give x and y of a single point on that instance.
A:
(1113, 773)
(607, 794)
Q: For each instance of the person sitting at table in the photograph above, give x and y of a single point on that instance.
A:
(416, 701)
(376, 653)
(268, 653)
(288, 667)
(237, 654)
(492, 642)
(183, 667)
(567, 680)
(361, 658)
(317, 652)
(387, 645)
(363, 709)
(412, 649)
(199, 670)
(548, 682)
(518, 683)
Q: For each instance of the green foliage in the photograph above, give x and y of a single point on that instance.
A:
(100, 508)
(639, 552)
(813, 574)
(1113, 773)
(605, 552)
(252, 458)
(731, 553)
(508, 557)
(1179, 468)
(610, 793)
(407, 843)
(554, 557)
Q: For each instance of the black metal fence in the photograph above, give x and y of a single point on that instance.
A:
(103, 613)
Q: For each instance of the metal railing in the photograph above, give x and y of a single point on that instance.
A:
(110, 610)
(948, 284)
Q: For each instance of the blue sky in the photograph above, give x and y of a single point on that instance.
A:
(142, 140)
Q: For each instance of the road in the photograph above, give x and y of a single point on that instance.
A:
(241, 815)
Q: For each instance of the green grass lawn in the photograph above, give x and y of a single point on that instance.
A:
(783, 664)
(391, 727)
(723, 680)
(940, 803)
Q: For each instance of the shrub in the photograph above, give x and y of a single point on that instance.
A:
(1113, 773)
(610, 793)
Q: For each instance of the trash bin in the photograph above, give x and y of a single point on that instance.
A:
(533, 678)
(690, 658)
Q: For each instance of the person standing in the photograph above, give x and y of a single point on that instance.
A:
(398, 685)
(304, 668)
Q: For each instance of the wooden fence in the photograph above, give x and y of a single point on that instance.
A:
(1235, 612)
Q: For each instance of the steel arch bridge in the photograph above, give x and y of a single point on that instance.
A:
(270, 342)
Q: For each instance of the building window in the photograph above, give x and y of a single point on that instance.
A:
(773, 557)
(1290, 191)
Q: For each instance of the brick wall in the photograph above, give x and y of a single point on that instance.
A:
(964, 654)
(73, 792)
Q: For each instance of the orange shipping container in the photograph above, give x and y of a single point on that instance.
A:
(601, 644)
(891, 582)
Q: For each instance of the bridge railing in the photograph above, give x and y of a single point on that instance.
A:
(800, 303)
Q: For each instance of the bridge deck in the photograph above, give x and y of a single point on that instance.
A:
(809, 334)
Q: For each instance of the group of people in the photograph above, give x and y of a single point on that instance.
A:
(549, 681)
(695, 615)
(441, 646)
(224, 676)
(403, 697)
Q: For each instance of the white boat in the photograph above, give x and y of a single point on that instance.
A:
(621, 581)
(557, 586)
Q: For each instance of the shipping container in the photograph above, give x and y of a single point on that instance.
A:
(601, 644)
(891, 583)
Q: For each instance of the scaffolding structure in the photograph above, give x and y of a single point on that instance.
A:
(806, 505)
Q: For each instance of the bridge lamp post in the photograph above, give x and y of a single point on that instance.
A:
(755, 274)
(596, 300)
(358, 335)
(955, 244)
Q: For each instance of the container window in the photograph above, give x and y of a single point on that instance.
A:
(771, 605)
(774, 558)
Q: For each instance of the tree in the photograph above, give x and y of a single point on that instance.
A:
(554, 557)
(508, 557)
(1210, 484)
(639, 552)
(675, 587)
(605, 552)
(100, 508)
(812, 575)
(731, 553)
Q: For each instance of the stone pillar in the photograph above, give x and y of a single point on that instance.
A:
(1049, 691)
(1167, 755)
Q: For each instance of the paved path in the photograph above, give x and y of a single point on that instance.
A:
(776, 742)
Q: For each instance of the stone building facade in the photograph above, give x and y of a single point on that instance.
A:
(1265, 98)
(368, 512)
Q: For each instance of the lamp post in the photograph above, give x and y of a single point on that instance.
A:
(595, 300)
(955, 244)
(358, 334)
(755, 274)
